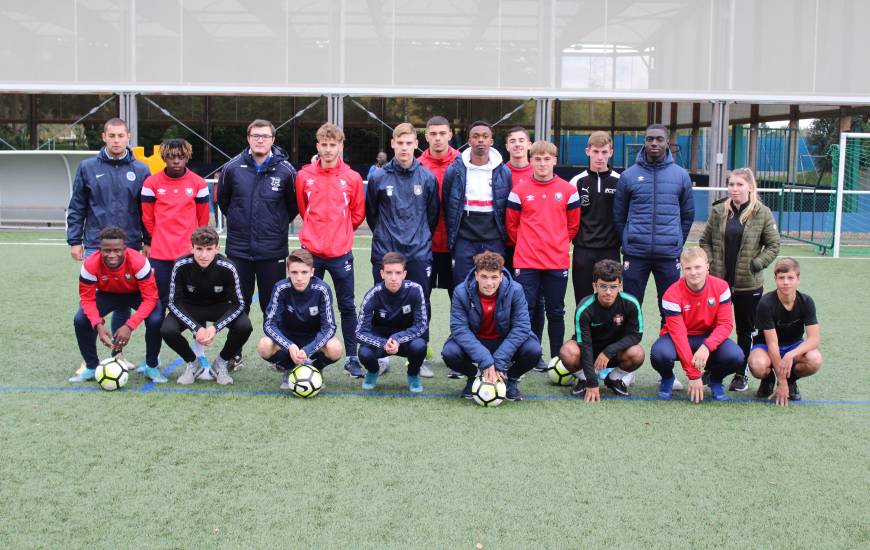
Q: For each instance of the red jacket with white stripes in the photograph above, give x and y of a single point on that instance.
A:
(171, 209)
(438, 166)
(134, 275)
(542, 218)
(692, 313)
(332, 205)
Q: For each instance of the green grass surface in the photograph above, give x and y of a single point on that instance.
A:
(244, 469)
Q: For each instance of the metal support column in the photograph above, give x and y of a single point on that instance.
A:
(543, 119)
(127, 110)
(718, 153)
(335, 109)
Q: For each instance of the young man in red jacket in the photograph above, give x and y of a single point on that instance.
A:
(543, 215)
(331, 202)
(116, 277)
(698, 321)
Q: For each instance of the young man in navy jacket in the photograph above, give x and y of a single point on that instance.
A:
(393, 321)
(299, 322)
(489, 327)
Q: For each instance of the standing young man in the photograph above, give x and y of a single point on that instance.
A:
(780, 354)
(698, 321)
(256, 193)
(393, 321)
(436, 158)
(106, 193)
(489, 328)
(597, 239)
(332, 205)
(300, 323)
(653, 212)
(543, 216)
(204, 286)
(476, 189)
(609, 328)
(112, 278)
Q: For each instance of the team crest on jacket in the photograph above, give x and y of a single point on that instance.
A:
(127, 276)
(383, 313)
(275, 183)
(406, 308)
(418, 190)
(131, 176)
(342, 183)
(711, 302)
(188, 191)
(618, 319)
(191, 288)
(218, 289)
(313, 310)
(558, 197)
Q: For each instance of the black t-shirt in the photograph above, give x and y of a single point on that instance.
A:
(789, 325)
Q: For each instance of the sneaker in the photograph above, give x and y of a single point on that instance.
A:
(371, 379)
(666, 388)
(83, 375)
(542, 366)
(739, 383)
(353, 368)
(236, 363)
(513, 390)
(142, 368)
(602, 374)
(794, 394)
(154, 374)
(205, 374)
(414, 384)
(425, 371)
(768, 383)
(383, 365)
(676, 386)
(627, 379)
(285, 381)
(579, 389)
(466, 391)
(453, 375)
(222, 376)
(718, 391)
(617, 387)
(124, 363)
(191, 371)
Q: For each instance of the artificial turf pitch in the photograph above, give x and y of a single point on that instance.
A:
(159, 466)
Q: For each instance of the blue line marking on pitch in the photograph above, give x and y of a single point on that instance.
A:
(149, 386)
(164, 389)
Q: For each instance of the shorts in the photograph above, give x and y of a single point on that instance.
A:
(782, 350)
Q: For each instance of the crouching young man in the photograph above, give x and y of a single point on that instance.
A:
(117, 278)
(299, 323)
(609, 328)
(204, 286)
(698, 321)
(780, 354)
(393, 321)
(489, 327)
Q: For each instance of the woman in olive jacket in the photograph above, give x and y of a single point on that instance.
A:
(740, 240)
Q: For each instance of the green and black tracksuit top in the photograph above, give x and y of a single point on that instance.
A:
(606, 330)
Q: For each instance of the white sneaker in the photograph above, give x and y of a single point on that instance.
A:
(383, 365)
(628, 379)
(677, 384)
(189, 375)
(425, 371)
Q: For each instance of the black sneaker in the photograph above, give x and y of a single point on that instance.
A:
(579, 389)
(617, 386)
(765, 389)
(235, 363)
(794, 394)
(453, 375)
(513, 390)
(738, 383)
(353, 368)
(466, 391)
(542, 366)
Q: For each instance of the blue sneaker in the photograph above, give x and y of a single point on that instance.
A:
(370, 381)
(353, 368)
(718, 391)
(83, 375)
(602, 374)
(666, 388)
(154, 374)
(414, 384)
(141, 369)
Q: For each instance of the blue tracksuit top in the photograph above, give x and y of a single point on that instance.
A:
(302, 318)
(400, 315)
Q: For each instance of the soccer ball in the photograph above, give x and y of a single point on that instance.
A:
(486, 394)
(558, 373)
(111, 374)
(305, 381)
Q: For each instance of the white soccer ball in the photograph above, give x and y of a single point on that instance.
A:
(487, 394)
(111, 374)
(305, 381)
(558, 373)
